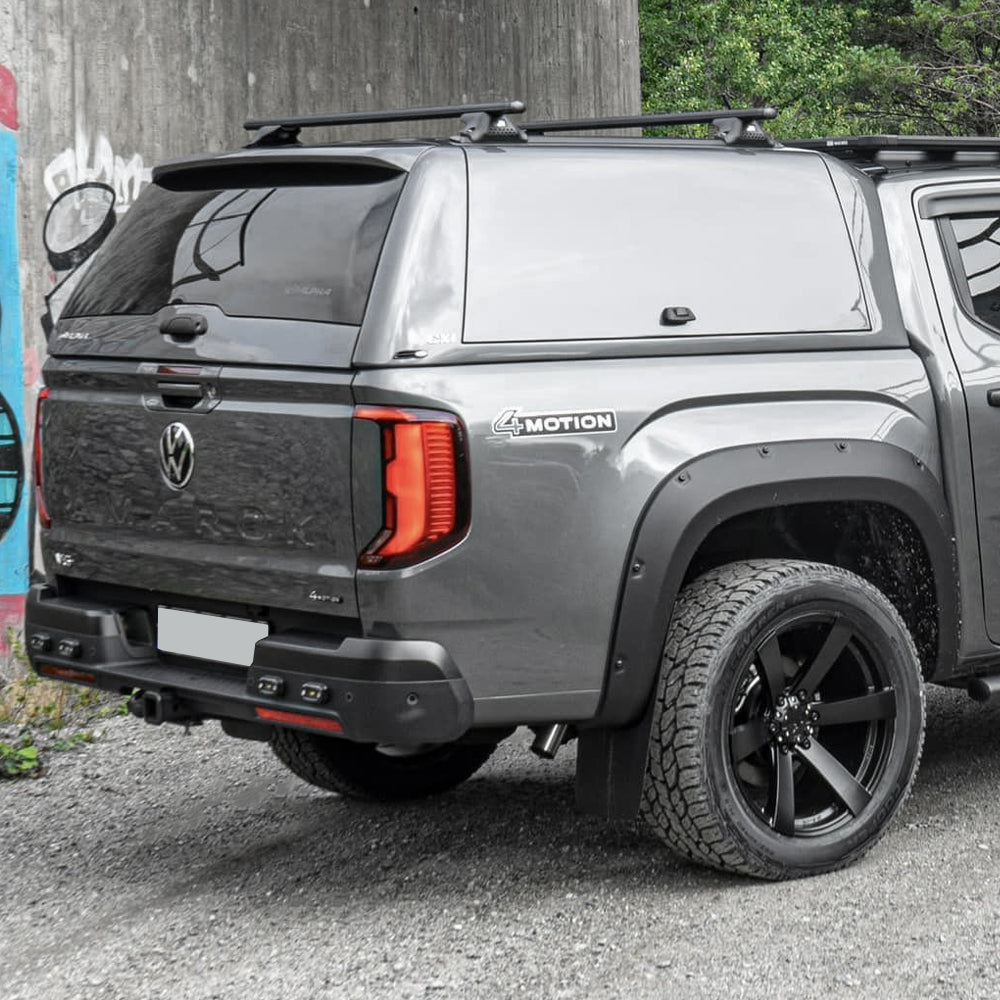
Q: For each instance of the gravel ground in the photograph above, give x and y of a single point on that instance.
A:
(151, 864)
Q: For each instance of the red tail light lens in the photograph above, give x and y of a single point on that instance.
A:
(43, 513)
(424, 485)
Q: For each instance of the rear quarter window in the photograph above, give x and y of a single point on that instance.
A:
(583, 244)
(281, 244)
(976, 243)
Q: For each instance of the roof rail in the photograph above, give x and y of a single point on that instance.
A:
(490, 119)
(733, 126)
(871, 148)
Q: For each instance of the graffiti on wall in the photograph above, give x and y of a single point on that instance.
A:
(89, 186)
(85, 162)
(13, 509)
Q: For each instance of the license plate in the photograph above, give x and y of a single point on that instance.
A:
(208, 637)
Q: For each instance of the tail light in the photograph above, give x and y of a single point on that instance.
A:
(425, 485)
(43, 513)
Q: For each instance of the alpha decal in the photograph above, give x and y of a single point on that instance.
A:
(517, 424)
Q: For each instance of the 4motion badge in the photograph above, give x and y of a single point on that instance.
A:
(518, 424)
(177, 455)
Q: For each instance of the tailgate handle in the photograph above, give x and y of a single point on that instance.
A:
(189, 390)
(181, 395)
(188, 325)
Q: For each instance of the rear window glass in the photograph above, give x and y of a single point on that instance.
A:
(304, 251)
(598, 244)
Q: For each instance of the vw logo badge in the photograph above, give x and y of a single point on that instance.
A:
(177, 455)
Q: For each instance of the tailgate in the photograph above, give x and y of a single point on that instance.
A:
(197, 432)
(212, 481)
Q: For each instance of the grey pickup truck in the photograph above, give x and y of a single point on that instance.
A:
(680, 448)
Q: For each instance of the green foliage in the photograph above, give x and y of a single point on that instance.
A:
(32, 701)
(15, 647)
(952, 48)
(88, 697)
(830, 66)
(87, 736)
(17, 762)
(117, 707)
(43, 704)
(13, 656)
(799, 57)
(40, 708)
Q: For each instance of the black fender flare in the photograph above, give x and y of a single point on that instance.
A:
(679, 517)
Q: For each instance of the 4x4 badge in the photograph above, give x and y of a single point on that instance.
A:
(177, 455)
(518, 424)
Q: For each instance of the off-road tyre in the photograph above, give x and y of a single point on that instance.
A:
(746, 775)
(382, 774)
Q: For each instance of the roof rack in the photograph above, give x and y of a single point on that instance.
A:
(480, 121)
(872, 148)
(733, 126)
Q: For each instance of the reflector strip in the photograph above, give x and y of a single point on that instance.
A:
(299, 719)
(66, 673)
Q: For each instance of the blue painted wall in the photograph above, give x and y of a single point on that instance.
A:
(14, 546)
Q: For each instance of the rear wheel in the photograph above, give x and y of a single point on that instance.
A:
(789, 719)
(377, 772)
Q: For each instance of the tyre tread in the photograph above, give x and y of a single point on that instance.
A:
(356, 771)
(676, 798)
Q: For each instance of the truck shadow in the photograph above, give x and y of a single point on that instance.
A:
(961, 752)
(509, 832)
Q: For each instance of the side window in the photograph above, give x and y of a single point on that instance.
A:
(977, 243)
(590, 243)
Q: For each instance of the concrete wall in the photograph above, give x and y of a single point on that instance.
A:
(94, 92)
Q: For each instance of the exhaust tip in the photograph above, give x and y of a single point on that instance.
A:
(549, 740)
(983, 688)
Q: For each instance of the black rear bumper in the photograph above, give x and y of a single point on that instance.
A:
(368, 690)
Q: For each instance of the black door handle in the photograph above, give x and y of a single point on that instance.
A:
(993, 397)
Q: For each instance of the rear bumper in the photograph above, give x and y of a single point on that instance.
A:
(368, 690)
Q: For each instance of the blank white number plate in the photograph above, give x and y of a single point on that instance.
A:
(208, 637)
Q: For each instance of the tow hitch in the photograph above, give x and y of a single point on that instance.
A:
(157, 707)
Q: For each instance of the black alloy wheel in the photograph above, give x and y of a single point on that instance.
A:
(788, 723)
(808, 744)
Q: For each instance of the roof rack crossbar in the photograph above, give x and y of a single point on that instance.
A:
(651, 120)
(286, 130)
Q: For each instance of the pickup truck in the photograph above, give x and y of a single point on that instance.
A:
(680, 448)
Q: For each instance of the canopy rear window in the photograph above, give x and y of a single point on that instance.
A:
(278, 244)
